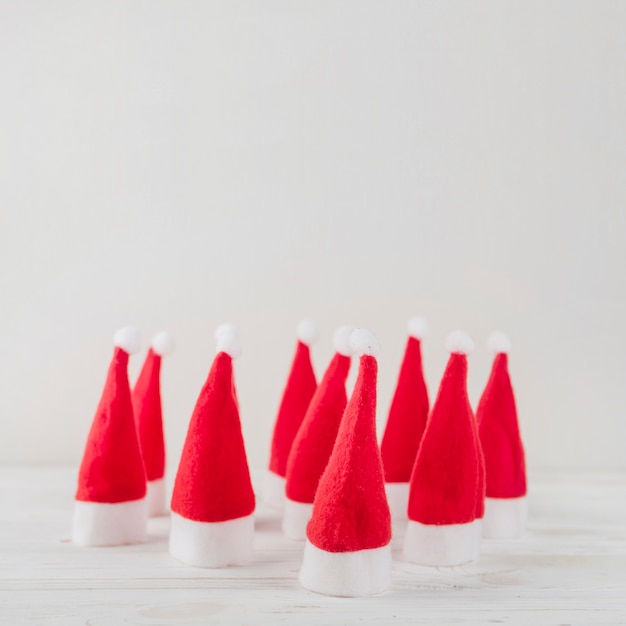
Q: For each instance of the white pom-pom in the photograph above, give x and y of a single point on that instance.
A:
(127, 338)
(418, 327)
(459, 342)
(228, 340)
(341, 340)
(307, 332)
(162, 343)
(362, 341)
(498, 343)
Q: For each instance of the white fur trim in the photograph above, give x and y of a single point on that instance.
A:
(156, 498)
(228, 340)
(346, 574)
(307, 332)
(163, 343)
(418, 327)
(212, 544)
(505, 518)
(398, 499)
(296, 516)
(341, 340)
(274, 491)
(127, 338)
(363, 342)
(442, 546)
(498, 343)
(459, 342)
(110, 524)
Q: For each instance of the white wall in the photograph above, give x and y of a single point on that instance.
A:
(178, 164)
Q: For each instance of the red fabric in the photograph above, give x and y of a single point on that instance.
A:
(148, 416)
(505, 466)
(112, 468)
(445, 479)
(350, 511)
(297, 395)
(480, 488)
(407, 417)
(314, 442)
(213, 481)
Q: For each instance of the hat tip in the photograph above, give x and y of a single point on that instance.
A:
(307, 332)
(127, 338)
(163, 343)
(363, 342)
(418, 327)
(459, 342)
(341, 340)
(228, 340)
(498, 343)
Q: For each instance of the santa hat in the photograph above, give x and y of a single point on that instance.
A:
(110, 507)
(406, 422)
(149, 419)
(297, 395)
(442, 528)
(314, 442)
(505, 468)
(347, 551)
(213, 502)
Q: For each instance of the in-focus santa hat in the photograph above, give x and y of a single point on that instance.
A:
(406, 422)
(299, 390)
(213, 502)
(315, 438)
(505, 504)
(149, 419)
(442, 529)
(347, 551)
(110, 507)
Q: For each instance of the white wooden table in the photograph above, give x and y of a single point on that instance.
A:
(570, 568)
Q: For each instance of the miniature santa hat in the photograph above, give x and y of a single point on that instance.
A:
(406, 422)
(110, 507)
(314, 442)
(442, 529)
(299, 390)
(505, 468)
(347, 551)
(149, 419)
(213, 502)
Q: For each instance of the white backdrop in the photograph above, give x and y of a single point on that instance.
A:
(179, 164)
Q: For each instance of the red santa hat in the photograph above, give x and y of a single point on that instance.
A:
(110, 507)
(149, 419)
(406, 422)
(505, 468)
(299, 390)
(315, 438)
(442, 528)
(347, 551)
(213, 501)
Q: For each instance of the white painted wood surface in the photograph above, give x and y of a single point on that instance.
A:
(570, 568)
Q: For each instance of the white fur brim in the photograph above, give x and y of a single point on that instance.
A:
(156, 498)
(505, 518)
(346, 574)
(274, 491)
(212, 544)
(110, 524)
(398, 499)
(296, 516)
(442, 546)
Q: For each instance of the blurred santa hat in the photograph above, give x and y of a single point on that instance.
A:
(110, 507)
(505, 467)
(314, 441)
(213, 501)
(299, 390)
(347, 551)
